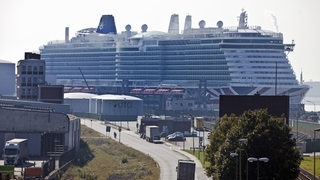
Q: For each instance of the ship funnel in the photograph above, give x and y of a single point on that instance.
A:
(174, 24)
(66, 35)
(187, 23)
(107, 25)
(243, 20)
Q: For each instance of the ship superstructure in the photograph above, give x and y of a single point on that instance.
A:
(197, 62)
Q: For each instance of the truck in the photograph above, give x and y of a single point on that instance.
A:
(153, 134)
(198, 123)
(186, 169)
(15, 151)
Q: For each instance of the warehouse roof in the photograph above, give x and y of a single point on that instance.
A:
(77, 95)
(116, 97)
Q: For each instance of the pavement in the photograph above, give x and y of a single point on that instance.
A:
(166, 161)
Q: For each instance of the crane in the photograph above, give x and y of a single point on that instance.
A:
(84, 79)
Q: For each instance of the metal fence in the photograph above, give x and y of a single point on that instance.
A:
(67, 157)
(48, 167)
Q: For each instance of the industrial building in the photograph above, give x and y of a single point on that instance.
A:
(79, 102)
(30, 74)
(7, 80)
(49, 128)
(107, 107)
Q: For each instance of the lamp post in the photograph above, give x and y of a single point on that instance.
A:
(253, 159)
(244, 140)
(314, 105)
(314, 152)
(235, 155)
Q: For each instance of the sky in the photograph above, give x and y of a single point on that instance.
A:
(26, 25)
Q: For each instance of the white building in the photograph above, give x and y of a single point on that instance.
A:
(79, 102)
(105, 107)
(116, 107)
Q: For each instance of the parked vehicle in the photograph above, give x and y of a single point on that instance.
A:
(190, 134)
(15, 151)
(153, 134)
(186, 169)
(176, 136)
(163, 134)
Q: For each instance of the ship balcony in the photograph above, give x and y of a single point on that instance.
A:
(289, 47)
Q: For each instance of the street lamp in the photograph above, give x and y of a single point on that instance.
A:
(253, 159)
(244, 140)
(235, 155)
(314, 105)
(314, 152)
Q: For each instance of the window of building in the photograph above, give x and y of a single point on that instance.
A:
(41, 69)
(23, 81)
(29, 70)
(35, 81)
(23, 70)
(35, 70)
(23, 92)
(29, 81)
(40, 80)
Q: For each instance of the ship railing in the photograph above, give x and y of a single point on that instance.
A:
(231, 31)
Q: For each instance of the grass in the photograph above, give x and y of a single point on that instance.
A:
(201, 156)
(307, 164)
(104, 158)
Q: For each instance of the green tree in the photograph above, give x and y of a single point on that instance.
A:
(266, 136)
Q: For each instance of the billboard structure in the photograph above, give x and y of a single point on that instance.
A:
(234, 104)
(51, 93)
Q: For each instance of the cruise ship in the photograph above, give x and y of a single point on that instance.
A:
(175, 70)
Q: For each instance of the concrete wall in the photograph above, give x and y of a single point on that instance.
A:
(2, 140)
(72, 138)
(20, 121)
(116, 110)
(62, 108)
(121, 107)
(78, 105)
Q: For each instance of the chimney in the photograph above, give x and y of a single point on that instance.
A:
(66, 35)
(187, 23)
(107, 25)
(174, 24)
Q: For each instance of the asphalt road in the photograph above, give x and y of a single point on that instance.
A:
(166, 154)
